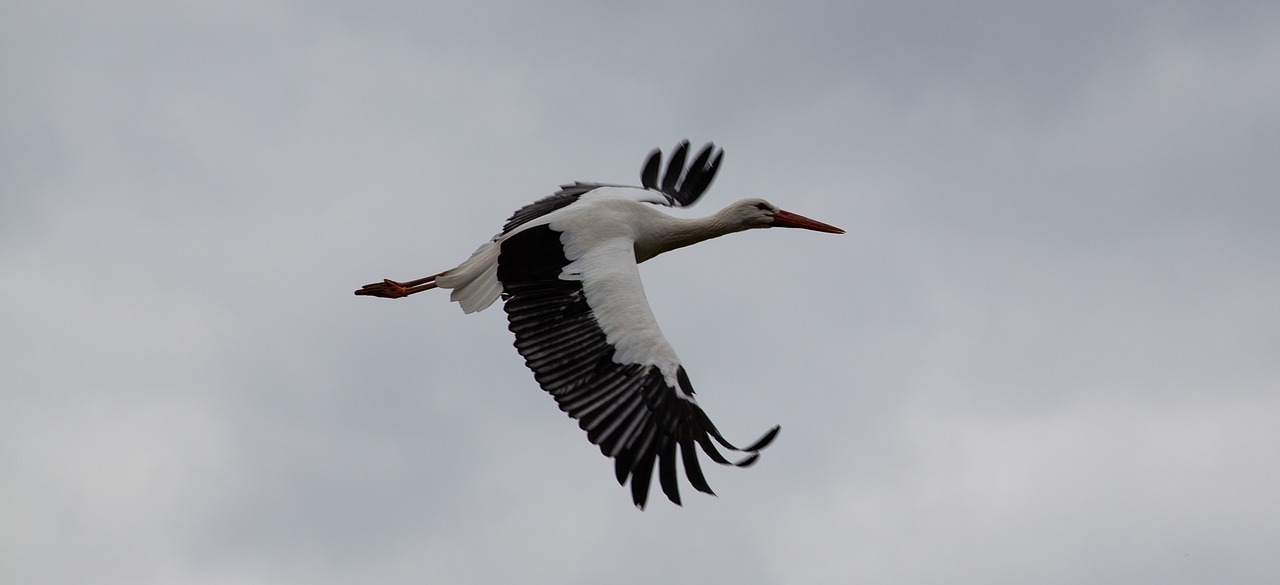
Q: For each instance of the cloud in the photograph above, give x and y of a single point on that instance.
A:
(1042, 352)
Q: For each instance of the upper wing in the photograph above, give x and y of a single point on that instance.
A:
(586, 331)
(565, 196)
(680, 187)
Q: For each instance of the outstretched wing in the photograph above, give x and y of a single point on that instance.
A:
(584, 327)
(681, 186)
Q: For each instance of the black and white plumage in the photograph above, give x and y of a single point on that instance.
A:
(567, 268)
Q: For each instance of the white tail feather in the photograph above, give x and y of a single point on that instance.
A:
(474, 282)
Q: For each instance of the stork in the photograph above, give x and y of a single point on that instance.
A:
(566, 267)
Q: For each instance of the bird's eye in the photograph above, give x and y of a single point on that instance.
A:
(763, 206)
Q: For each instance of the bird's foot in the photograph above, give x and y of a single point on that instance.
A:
(390, 289)
(387, 289)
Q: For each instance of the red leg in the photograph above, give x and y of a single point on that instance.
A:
(390, 289)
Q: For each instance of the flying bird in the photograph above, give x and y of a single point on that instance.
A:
(566, 267)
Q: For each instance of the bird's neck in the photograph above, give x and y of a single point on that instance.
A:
(679, 232)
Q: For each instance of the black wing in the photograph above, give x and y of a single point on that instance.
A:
(682, 186)
(566, 195)
(628, 410)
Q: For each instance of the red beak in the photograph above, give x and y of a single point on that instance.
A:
(795, 220)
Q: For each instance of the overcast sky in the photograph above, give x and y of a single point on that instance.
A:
(1045, 352)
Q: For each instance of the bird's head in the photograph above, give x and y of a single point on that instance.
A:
(758, 213)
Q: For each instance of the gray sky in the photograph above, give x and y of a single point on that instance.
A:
(1044, 353)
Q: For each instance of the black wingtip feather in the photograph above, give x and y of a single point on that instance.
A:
(748, 461)
(649, 174)
(641, 475)
(675, 168)
(709, 448)
(704, 156)
(698, 182)
(667, 472)
(621, 469)
(692, 468)
(765, 440)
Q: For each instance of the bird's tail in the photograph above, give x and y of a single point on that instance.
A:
(474, 282)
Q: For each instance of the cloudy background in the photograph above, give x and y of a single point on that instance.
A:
(1045, 352)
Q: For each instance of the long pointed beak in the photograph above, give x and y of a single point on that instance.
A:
(794, 220)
